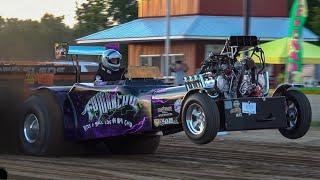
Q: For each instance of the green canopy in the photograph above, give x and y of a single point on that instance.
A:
(276, 52)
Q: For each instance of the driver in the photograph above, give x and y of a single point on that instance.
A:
(109, 68)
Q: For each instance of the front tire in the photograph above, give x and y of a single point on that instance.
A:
(200, 118)
(298, 115)
(41, 127)
(133, 144)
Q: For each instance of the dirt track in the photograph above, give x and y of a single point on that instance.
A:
(241, 155)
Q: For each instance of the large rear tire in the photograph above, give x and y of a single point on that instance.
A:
(10, 110)
(133, 144)
(200, 118)
(41, 127)
(298, 115)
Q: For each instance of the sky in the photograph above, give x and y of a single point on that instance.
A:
(35, 9)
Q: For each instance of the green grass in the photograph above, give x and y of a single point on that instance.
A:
(310, 90)
(315, 123)
(306, 90)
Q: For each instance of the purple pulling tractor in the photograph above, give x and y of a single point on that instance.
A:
(230, 93)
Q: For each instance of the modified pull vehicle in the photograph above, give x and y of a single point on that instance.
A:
(230, 93)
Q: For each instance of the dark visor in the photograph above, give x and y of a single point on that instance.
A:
(114, 61)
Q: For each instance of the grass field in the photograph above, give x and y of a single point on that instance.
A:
(315, 123)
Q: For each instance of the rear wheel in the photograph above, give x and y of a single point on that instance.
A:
(200, 118)
(41, 128)
(298, 114)
(10, 110)
(133, 144)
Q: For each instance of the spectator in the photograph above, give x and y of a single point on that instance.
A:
(180, 70)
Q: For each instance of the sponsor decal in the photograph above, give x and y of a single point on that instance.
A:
(156, 122)
(32, 69)
(165, 111)
(228, 104)
(177, 105)
(104, 103)
(160, 90)
(239, 115)
(236, 109)
(236, 103)
(164, 121)
(249, 108)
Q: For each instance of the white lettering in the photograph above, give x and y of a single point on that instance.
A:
(113, 121)
(103, 103)
(125, 100)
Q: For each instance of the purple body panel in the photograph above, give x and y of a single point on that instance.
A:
(166, 106)
(111, 111)
(93, 112)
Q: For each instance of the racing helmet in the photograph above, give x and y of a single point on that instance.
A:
(110, 59)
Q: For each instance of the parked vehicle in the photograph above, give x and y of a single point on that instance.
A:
(130, 115)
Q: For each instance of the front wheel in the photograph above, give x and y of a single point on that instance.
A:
(200, 118)
(298, 114)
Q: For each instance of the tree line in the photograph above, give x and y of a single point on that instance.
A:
(313, 21)
(34, 40)
(27, 39)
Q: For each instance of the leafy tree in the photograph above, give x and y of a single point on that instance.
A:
(315, 20)
(27, 39)
(53, 30)
(92, 17)
(123, 11)
(1, 22)
(120, 12)
(97, 15)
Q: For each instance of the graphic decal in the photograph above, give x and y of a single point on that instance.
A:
(106, 104)
(110, 113)
(109, 108)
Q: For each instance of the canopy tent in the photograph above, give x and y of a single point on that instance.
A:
(276, 52)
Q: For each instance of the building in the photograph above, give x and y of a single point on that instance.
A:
(197, 27)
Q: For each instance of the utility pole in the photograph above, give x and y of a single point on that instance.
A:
(246, 20)
(246, 16)
(167, 43)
